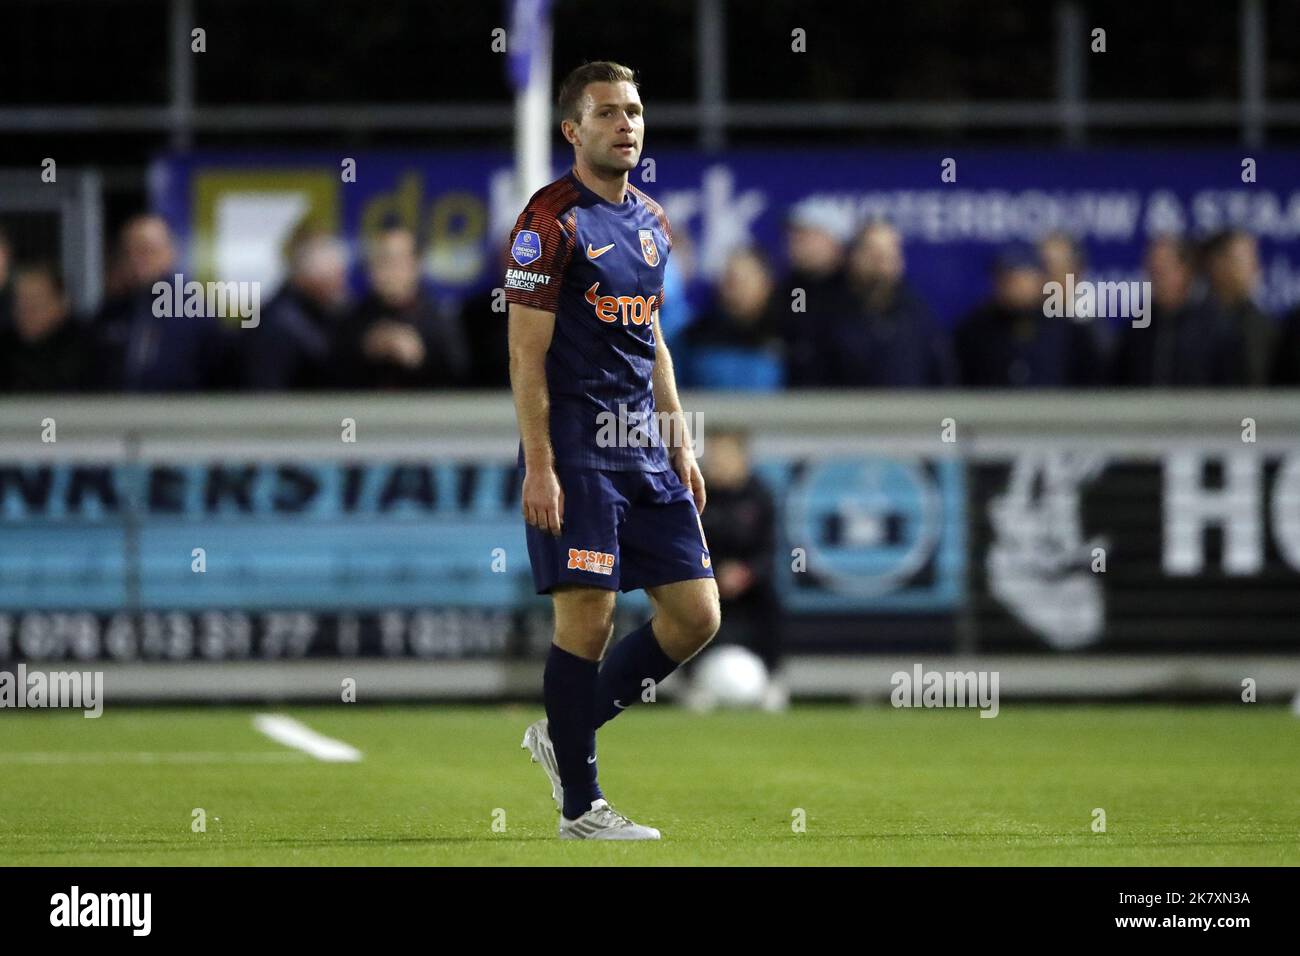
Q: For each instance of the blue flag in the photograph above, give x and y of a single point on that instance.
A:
(528, 20)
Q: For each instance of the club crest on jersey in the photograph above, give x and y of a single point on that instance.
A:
(527, 248)
(648, 248)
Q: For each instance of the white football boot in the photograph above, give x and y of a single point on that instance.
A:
(603, 822)
(537, 741)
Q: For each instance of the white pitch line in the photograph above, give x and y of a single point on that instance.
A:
(175, 756)
(294, 734)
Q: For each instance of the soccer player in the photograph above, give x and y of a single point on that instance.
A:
(610, 505)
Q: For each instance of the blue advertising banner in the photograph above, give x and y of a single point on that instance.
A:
(281, 556)
(880, 535)
(234, 210)
(1045, 548)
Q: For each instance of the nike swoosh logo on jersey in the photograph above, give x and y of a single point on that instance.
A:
(597, 253)
(591, 760)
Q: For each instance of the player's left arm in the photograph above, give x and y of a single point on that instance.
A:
(681, 447)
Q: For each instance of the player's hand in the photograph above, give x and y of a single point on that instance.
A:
(394, 342)
(543, 500)
(689, 472)
(734, 578)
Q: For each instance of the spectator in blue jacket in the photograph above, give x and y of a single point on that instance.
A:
(737, 343)
(886, 336)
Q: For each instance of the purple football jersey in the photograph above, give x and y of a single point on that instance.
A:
(599, 266)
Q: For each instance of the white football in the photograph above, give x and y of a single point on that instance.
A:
(734, 676)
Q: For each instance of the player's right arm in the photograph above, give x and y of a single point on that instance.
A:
(537, 258)
(530, 332)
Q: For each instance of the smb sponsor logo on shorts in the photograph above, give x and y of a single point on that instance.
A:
(597, 562)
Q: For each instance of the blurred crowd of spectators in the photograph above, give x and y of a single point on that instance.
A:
(311, 334)
(842, 315)
(867, 326)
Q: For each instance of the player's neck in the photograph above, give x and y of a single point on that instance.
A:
(611, 188)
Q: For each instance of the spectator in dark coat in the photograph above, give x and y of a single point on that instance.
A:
(1065, 263)
(1011, 343)
(1286, 357)
(815, 237)
(1232, 268)
(135, 350)
(43, 349)
(1187, 343)
(485, 329)
(292, 347)
(740, 526)
(6, 284)
(737, 343)
(486, 335)
(397, 337)
(886, 336)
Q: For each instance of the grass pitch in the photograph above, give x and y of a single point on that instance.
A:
(1179, 786)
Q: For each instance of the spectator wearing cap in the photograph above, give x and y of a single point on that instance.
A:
(816, 232)
(397, 337)
(1010, 342)
(886, 336)
(292, 346)
(1187, 343)
(737, 343)
(42, 349)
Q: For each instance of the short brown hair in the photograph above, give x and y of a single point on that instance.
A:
(602, 71)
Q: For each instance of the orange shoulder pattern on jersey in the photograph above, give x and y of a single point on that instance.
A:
(662, 216)
(550, 215)
(658, 210)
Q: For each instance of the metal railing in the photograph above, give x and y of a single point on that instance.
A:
(711, 114)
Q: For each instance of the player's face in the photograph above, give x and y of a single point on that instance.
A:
(612, 130)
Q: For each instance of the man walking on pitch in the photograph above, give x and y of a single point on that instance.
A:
(610, 505)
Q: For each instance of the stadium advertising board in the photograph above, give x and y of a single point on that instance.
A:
(416, 548)
(235, 210)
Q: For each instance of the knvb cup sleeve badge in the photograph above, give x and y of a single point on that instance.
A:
(527, 248)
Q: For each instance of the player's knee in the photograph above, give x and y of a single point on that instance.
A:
(588, 642)
(703, 624)
(712, 621)
(584, 622)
